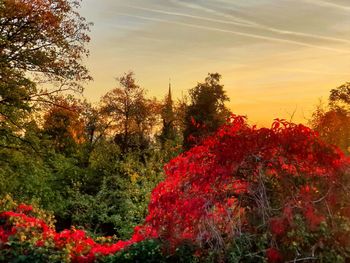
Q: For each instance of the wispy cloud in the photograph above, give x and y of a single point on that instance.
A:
(212, 11)
(165, 12)
(239, 33)
(330, 4)
(253, 24)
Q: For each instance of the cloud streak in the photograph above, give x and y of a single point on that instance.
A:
(239, 33)
(191, 16)
(253, 24)
(329, 4)
(213, 11)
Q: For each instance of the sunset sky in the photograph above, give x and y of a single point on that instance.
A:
(276, 56)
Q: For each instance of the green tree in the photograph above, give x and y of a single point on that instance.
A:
(42, 42)
(114, 198)
(207, 110)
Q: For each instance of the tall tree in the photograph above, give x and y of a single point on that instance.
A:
(40, 41)
(333, 122)
(340, 97)
(131, 116)
(207, 110)
(64, 124)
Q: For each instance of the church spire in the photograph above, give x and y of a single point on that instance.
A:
(169, 94)
(168, 131)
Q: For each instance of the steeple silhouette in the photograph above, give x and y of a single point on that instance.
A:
(168, 116)
(169, 93)
(168, 105)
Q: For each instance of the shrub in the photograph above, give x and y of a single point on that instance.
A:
(283, 187)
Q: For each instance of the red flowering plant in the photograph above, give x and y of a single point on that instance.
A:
(283, 187)
(23, 228)
(28, 232)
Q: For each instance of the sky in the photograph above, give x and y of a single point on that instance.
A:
(277, 58)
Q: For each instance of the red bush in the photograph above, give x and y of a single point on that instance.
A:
(249, 180)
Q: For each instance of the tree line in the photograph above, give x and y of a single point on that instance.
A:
(91, 166)
(95, 165)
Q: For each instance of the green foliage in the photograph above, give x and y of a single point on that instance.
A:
(22, 248)
(25, 177)
(207, 111)
(152, 251)
(148, 251)
(248, 248)
(119, 202)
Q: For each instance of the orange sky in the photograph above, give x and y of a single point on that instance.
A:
(276, 56)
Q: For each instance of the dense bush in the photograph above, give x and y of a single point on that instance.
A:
(278, 193)
(114, 199)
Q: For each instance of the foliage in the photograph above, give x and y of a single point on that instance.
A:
(18, 247)
(152, 251)
(333, 122)
(245, 194)
(26, 235)
(27, 178)
(116, 201)
(64, 125)
(206, 112)
(43, 36)
(39, 40)
(71, 167)
(170, 137)
(340, 96)
(333, 125)
(282, 183)
(130, 115)
(144, 251)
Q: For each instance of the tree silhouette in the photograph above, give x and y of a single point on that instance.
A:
(130, 114)
(207, 111)
(333, 122)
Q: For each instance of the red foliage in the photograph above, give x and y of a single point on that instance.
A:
(273, 255)
(81, 247)
(24, 208)
(278, 226)
(213, 188)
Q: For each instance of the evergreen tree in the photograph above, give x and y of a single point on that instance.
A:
(207, 110)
